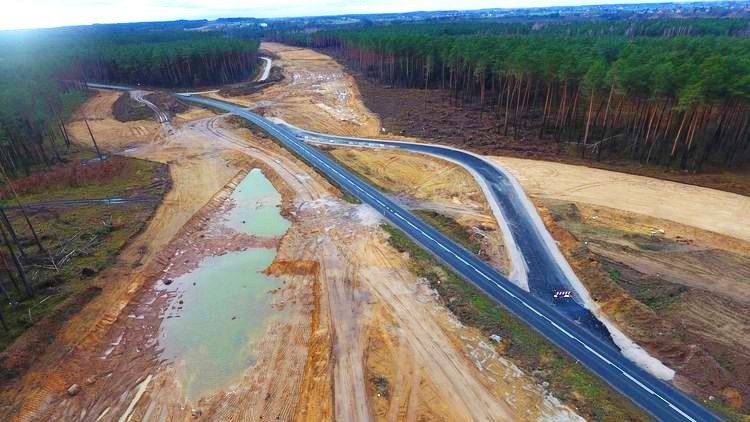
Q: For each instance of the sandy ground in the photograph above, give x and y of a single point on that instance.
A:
(640, 205)
(707, 224)
(707, 209)
(435, 185)
(680, 255)
(366, 297)
(679, 293)
(197, 173)
(691, 280)
(692, 267)
(361, 338)
(316, 94)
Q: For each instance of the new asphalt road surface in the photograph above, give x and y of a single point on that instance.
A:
(658, 398)
(661, 400)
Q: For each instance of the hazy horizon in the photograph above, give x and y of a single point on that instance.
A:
(37, 14)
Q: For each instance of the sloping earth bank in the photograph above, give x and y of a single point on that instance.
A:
(358, 336)
(658, 254)
(439, 188)
(316, 93)
(654, 253)
(675, 289)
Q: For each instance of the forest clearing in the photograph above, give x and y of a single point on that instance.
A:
(322, 226)
(168, 261)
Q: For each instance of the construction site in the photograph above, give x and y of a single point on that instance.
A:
(254, 288)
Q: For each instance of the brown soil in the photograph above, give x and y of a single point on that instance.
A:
(86, 238)
(343, 285)
(692, 207)
(686, 283)
(111, 134)
(677, 296)
(167, 102)
(668, 260)
(430, 115)
(126, 109)
(248, 88)
(316, 94)
(433, 186)
(197, 176)
(327, 231)
(685, 280)
(687, 214)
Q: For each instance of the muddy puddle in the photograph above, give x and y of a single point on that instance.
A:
(257, 207)
(219, 310)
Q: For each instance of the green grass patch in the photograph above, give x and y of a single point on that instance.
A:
(614, 273)
(567, 380)
(726, 412)
(452, 229)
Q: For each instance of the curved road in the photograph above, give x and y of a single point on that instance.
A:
(261, 78)
(266, 70)
(658, 398)
(534, 254)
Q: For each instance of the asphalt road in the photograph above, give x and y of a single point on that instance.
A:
(546, 270)
(659, 399)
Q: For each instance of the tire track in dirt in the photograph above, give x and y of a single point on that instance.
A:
(313, 363)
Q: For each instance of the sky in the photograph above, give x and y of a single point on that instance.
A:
(21, 14)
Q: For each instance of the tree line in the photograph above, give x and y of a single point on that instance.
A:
(43, 75)
(196, 61)
(680, 101)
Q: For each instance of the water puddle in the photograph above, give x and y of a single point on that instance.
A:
(222, 308)
(257, 207)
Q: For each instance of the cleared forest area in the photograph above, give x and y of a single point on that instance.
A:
(58, 230)
(43, 77)
(672, 93)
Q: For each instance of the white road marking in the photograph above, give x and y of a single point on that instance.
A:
(303, 150)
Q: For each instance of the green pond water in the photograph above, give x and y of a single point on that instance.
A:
(257, 207)
(226, 301)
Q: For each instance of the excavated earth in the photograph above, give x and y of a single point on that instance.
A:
(354, 334)
(668, 262)
(434, 114)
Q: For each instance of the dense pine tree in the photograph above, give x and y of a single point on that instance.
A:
(43, 75)
(668, 92)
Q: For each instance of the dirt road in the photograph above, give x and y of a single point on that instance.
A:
(316, 93)
(357, 336)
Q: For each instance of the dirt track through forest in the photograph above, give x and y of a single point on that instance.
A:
(344, 289)
(358, 337)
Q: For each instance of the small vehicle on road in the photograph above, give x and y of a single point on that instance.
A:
(562, 294)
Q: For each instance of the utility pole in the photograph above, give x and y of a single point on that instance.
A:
(99, 153)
